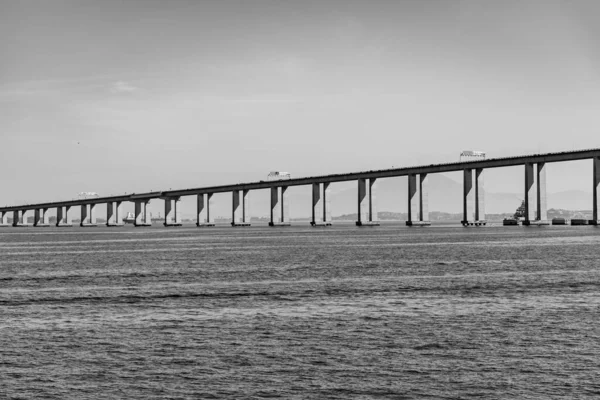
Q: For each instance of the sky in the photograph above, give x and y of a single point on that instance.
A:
(131, 96)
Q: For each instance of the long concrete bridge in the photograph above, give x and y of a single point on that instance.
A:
(534, 167)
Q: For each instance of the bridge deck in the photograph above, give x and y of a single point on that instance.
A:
(383, 173)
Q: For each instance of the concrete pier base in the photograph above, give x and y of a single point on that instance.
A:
(313, 223)
(473, 223)
(538, 222)
(418, 223)
(367, 223)
(280, 224)
(236, 224)
(593, 222)
(579, 221)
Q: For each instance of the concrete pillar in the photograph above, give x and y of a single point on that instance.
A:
(172, 211)
(4, 218)
(142, 213)
(468, 198)
(529, 193)
(63, 217)
(177, 205)
(327, 219)
(67, 216)
(138, 213)
(20, 218)
(479, 197)
(363, 207)
(84, 215)
(280, 208)
(59, 216)
(88, 215)
(535, 195)
(418, 200)
(596, 186)
(413, 201)
(204, 217)
(110, 214)
(113, 214)
(168, 212)
(373, 215)
(147, 213)
(245, 206)
(119, 213)
(321, 204)
(367, 206)
(240, 208)
(40, 217)
(542, 202)
(424, 199)
(236, 218)
(275, 207)
(92, 216)
(45, 217)
(317, 206)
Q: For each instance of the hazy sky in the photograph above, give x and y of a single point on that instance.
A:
(129, 96)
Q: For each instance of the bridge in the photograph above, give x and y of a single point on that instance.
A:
(534, 167)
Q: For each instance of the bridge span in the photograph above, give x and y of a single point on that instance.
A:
(418, 212)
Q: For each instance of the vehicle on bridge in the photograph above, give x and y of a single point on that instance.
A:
(278, 175)
(87, 195)
(472, 155)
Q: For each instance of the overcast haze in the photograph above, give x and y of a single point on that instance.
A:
(129, 96)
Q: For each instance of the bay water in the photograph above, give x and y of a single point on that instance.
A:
(299, 312)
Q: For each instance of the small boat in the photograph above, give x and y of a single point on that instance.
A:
(519, 215)
(129, 219)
